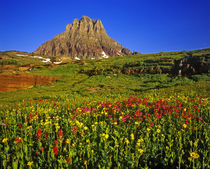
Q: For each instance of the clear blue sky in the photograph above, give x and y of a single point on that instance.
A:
(146, 26)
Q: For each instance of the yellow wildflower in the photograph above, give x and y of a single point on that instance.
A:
(85, 162)
(85, 128)
(148, 129)
(87, 141)
(132, 136)
(140, 151)
(30, 163)
(184, 126)
(167, 148)
(4, 140)
(158, 130)
(29, 127)
(127, 141)
(67, 141)
(106, 136)
(194, 155)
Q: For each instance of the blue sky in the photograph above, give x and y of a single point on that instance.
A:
(147, 26)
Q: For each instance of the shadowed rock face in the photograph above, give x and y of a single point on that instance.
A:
(191, 66)
(84, 39)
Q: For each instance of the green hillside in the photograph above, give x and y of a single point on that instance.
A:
(111, 78)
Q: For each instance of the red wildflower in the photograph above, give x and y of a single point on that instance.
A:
(200, 101)
(68, 160)
(30, 116)
(46, 135)
(56, 142)
(151, 124)
(18, 140)
(55, 150)
(60, 133)
(39, 133)
(190, 116)
(200, 118)
(19, 125)
(158, 116)
(42, 149)
(195, 107)
(74, 130)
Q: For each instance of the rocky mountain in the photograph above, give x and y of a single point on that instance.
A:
(84, 39)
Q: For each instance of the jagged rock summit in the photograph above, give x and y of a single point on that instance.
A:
(84, 39)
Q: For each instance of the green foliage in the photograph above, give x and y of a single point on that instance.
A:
(8, 62)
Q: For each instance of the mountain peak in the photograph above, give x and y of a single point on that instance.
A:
(83, 39)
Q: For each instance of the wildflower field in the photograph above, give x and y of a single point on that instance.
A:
(87, 119)
(168, 132)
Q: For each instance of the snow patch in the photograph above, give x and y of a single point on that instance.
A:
(46, 60)
(21, 55)
(38, 57)
(57, 63)
(104, 55)
(77, 58)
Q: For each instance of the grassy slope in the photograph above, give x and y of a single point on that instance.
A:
(107, 83)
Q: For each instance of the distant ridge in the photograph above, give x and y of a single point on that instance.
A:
(84, 39)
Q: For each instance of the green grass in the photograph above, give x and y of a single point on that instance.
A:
(108, 81)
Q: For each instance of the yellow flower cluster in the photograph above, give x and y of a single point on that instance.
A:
(140, 151)
(4, 140)
(194, 155)
(139, 142)
(127, 141)
(106, 136)
(30, 163)
(132, 136)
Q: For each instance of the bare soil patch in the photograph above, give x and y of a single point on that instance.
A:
(23, 81)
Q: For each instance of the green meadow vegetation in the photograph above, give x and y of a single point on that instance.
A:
(121, 112)
(110, 78)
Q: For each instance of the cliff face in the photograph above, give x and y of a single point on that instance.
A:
(84, 39)
(191, 65)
